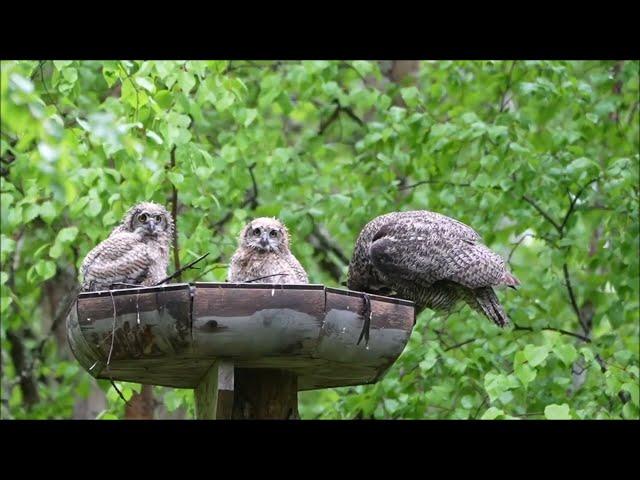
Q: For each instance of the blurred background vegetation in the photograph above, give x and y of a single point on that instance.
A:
(540, 157)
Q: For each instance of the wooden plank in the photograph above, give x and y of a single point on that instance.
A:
(214, 393)
(262, 394)
(391, 325)
(149, 322)
(250, 323)
(206, 394)
(225, 390)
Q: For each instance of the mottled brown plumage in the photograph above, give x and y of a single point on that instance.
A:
(431, 259)
(136, 252)
(263, 255)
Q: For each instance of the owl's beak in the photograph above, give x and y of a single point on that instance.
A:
(264, 240)
(151, 226)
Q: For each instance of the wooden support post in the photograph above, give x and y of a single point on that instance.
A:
(214, 393)
(265, 394)
(226, 383)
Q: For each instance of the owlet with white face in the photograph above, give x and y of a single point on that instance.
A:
(135, 253)
(263, 255)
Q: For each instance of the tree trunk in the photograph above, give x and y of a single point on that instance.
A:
(141, 405)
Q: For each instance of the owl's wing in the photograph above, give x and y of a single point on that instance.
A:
(429, 250)
(120, 258)
(298, 270)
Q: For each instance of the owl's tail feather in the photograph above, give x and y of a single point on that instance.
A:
(510, 281)
(489, 305)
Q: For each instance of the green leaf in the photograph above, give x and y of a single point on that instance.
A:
(109, 218)
(67, 235)
(579, 164)
(48, 212)
(557, 412)
(492, 413)
(522, 370)
(566, 352)
(154, 136)
(429, 361)
(164, 99)
(535, 355)
(56, 250)
(146, 84)
(175, 178)
(411, 96)
(186, 81)
(60, 64)
(46, 269)
(70, 74)
(252, 113)
(634, 391)
(31, 212)
(94, 207)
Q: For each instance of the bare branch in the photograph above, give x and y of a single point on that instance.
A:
(573, 202)
(250, 200)
(186, 267)
(266, 276)
(174, 216)
(517, 244)
(553, 329)
(503, 103)
(438, 182)
(28, 385)
(461, 344)
(547, 217)
(572, 297)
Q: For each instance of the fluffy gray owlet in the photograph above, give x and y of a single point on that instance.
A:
(263, 251)
(136, 252)
(430, 259)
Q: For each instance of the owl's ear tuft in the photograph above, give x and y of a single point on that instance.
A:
(133, 213)
(384, 231)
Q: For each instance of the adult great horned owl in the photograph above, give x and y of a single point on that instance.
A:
(263, 255)
(136, 252)
(430, 259)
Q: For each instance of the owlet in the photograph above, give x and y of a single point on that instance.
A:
(136, 252)
(263, 255)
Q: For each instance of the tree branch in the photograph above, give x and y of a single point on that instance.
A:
(174, 216)
(516, 245)
(461, 344)
(438, 182)
(28, 385)
(573, 202)
(572, 297)
(503, 103)
(178, 272)
(552, 329)
(250, 200)
(547, 217)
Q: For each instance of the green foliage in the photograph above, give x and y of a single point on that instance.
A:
(540, 157)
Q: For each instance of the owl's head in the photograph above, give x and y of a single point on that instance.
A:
(265, 235)
(148, 220)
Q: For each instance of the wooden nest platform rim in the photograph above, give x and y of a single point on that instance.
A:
(171, 335)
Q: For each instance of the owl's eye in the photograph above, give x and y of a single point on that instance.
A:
(256, 232)
(273, 233)
(143, 217)
(158, 218)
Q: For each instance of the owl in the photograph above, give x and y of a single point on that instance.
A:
(430, 259)
(136, 252)
(263, 255)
